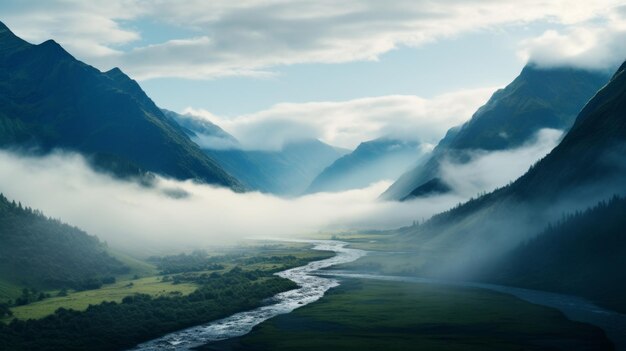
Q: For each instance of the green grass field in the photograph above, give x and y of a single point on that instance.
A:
(150, 282)
(373, 315)
(114, 292)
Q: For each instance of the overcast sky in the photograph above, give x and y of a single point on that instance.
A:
(249, 60)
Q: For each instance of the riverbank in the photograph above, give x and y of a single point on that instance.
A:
(365, 314)
(311, 288)
(225, 283)
(574, 308)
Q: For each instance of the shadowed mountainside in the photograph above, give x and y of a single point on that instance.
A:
(49, 100)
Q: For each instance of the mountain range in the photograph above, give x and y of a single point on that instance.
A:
(287, 171)
(49, 100)
(588, 166)
(538, 98)
(371, 161)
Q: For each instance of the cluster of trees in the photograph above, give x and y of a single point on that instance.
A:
(45, 253)
(583, 254)
(5, 310)
(199, 260)
(30, 295)
(138, 318)
(196, 261)
(210, 279)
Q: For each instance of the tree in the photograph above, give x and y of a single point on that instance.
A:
(5, 311)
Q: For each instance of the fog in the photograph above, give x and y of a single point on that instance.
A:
(487, 171)
(182, 215)
(347, 123)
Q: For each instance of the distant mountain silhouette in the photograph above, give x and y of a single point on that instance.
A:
(371, 161)
(284, 172)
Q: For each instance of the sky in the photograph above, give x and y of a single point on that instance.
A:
(233, 61)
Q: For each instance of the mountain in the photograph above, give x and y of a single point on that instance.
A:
(588, 166)
(371, 161)
(583, 254)
(43, 253)
(285, 172)
(49, 100)
(538, 98)
(203, 132)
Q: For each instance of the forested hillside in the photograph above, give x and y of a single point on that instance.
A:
(588, 166)
(50, 100)
(583, 254)
(538, 98)
(43, 253)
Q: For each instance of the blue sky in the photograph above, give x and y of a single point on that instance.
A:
(277, 69)
(474, 60)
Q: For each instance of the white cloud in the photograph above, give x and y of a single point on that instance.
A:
(87, 29)
(250, 37)
(130, 216)
(487, 171)
(589, 45)
(347, 123)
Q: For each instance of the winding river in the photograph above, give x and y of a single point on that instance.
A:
(311, 288)
(313, 284)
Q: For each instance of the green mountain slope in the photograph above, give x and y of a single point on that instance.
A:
(584, 254)
(44, 253)
(588, 166)
(538, 98)
(50, 100)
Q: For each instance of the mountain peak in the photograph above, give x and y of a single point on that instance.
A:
(8, 40)
(115, 71)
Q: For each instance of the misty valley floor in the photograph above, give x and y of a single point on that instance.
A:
(374, 315)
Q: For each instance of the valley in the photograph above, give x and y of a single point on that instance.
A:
(373, 315)
(311, 175)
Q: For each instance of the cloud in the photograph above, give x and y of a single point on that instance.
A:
(87, 29)
(347, 123)
(181, 215)
(249, 37)
(487, 171)
(590, 45)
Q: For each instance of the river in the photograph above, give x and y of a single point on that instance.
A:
(313, 284)
(311, 288)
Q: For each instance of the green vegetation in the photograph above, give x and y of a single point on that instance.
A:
(374, 315)
(583, 255)
(105, 116)
(81, 300)
(538, 98)
(199, 287)
(140, 317)
(44, 253)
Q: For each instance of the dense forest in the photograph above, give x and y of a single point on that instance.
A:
(115, 326)
(44, 253)
(583, 254)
